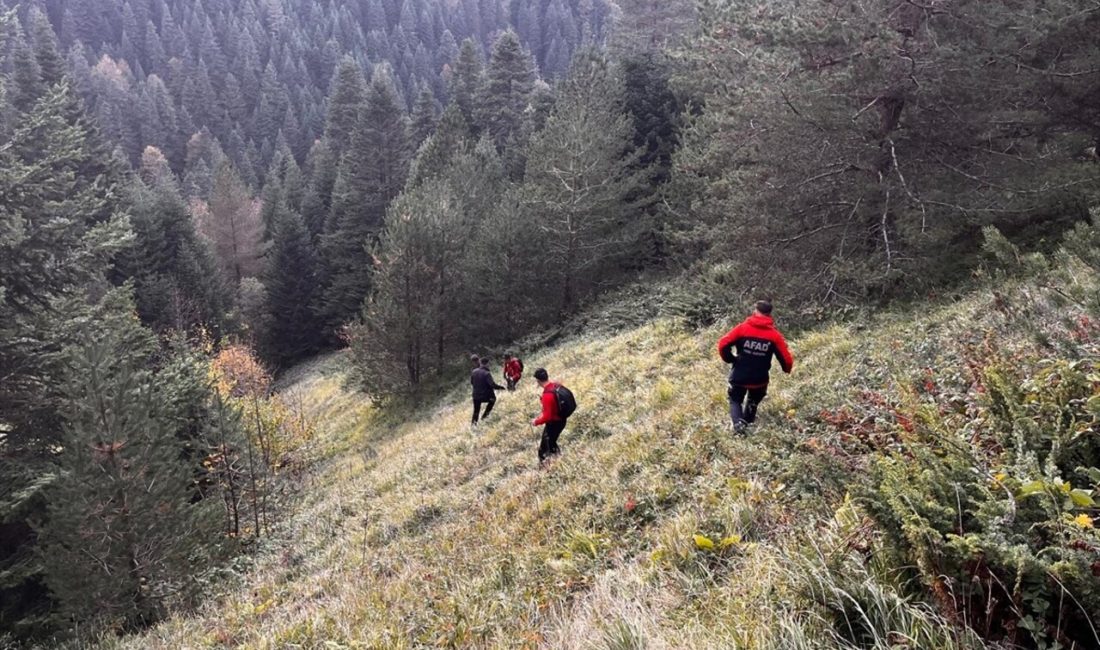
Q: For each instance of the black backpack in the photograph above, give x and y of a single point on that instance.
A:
(567, 404)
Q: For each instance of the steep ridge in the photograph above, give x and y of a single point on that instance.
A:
(658, 527)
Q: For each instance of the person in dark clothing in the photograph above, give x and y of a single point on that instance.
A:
(513, 371)
(484, 390)
(551, 422)
(750, 347)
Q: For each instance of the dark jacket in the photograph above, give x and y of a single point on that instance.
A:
(484, 386)
(756, 341)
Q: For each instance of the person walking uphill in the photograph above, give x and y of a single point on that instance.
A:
(756, 341)
(484, 390)
(557, 405)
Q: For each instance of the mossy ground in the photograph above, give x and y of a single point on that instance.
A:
(657, 528)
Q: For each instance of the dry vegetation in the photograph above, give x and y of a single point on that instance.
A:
(658, 528)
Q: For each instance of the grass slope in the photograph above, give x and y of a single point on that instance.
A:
(658, 528)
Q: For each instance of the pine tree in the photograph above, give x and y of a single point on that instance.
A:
(435, 155)
(127, 498)
(317, 200)
(501, 272)
(27, 85)
(51, 64)
(175, 276)
(54, 242)
(467, 80)
(271, 197)
(507, 91)
(372, 173)
(400, 338)
(292, 290)
(582, 180)
(423, 119)
(349, 92)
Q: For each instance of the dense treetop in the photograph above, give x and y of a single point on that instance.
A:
(256, 73)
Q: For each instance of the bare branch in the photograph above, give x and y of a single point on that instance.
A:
(885, 232)
(905, 186)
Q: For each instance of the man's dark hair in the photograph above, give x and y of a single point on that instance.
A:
(541, 374)
(485, 362)
(764, 306)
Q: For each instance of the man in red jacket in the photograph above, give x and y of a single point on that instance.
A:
(555, 424)
(756, 341)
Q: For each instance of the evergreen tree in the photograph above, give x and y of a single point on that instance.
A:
(509, 82)
(175, 276)
(582, 180)
(26, 87)
(501, 272)
(292, 283)
(317, 200)
(127, 497)
(51, 65)
(917, 129)
(400, 339)
(349, 92)
(272, 198)
(437, 152)
(54, 242)
(423, 119)
(372, 173)
(467, 80)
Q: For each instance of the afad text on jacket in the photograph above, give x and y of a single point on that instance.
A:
(756, 341)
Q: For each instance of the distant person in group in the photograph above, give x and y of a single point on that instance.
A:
(513, 371)
(484, 390)
(750, 347)
(475, 361)
(557, 405)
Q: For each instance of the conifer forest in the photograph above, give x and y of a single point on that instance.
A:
(248, 248)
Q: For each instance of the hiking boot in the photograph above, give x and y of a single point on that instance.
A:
(741, 427)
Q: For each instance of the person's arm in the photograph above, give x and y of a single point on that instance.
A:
(786, 359)
(547, 407)
(726, 343)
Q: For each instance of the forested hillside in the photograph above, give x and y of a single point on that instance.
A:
(917, 482)
(197, 196)
(255, 75)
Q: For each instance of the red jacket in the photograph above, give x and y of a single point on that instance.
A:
(756, 341)
(513, 369)
(549, 405)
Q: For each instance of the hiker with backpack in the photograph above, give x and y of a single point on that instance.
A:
(484, 390)
(513, 371)
(755, 341)
(557, 405)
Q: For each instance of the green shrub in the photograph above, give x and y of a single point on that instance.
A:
(994, 513)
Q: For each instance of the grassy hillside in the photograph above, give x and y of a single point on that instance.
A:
(658, 527)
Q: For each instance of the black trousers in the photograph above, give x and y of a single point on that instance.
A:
(488, 408)
(510, 383)
(741, 411)
(549, 444)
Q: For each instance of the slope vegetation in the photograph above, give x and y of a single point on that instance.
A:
(659, 528)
